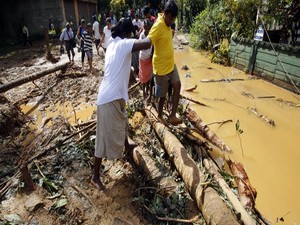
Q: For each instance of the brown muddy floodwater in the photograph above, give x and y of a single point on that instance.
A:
(271, 154)
(42, 116)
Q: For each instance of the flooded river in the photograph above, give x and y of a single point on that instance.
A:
(271, 154)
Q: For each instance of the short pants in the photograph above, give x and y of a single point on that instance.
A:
(162, 82)
(89, 54)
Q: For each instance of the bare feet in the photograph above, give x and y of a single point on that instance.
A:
(174, 120)
(97, 184)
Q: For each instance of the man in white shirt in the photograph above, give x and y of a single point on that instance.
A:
(107, 33)
(68, 36)
(137, 23)
(112, 97)
(96, 33)
(112, 18)
(26, 36)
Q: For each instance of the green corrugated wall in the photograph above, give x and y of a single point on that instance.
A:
(258, 58)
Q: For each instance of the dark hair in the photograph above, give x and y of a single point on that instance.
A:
(123, 28)
(146, 10)
(171, 8)
(108, 19)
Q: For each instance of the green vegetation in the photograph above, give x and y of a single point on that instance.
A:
(220, 19)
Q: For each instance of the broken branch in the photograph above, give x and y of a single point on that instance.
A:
(192, 100)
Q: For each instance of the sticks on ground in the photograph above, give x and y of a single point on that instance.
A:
(92, 124)
(205, 131)
(76, 188)
(133, 87)
(220, 122)
(73, 74)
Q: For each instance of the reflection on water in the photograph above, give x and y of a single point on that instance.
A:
(271, 154)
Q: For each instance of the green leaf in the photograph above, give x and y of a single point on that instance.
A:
(60, 203)
(49, 184)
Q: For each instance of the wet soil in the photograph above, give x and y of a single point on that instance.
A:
(51, 107)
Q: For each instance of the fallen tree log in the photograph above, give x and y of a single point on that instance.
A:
(247, 192)
(205, 131)
(165, 184)
(15, 83)
(237, 205)
(144, 161)
(207, 199)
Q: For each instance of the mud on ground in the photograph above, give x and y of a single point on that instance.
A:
(60, 171)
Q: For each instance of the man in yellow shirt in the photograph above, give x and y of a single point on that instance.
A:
(164, 68)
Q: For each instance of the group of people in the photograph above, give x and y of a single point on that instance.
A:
(86, 35)
(111, 135)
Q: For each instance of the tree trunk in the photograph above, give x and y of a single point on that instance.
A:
(27, 177)
(165, 184)
(247, 193)
(205, 131)
(237, 205)
(207, 199)
(15, 83)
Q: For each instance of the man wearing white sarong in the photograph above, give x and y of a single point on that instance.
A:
(113, 95)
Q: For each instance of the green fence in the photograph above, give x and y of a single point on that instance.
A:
(259, 58)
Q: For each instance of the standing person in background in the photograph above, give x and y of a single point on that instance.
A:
(96, 30)
(137, 23)
(112, 97)
(146, 11)
(88, 45)
(164, 68)
(145, 64)
(103, 18)
(107, 33)
(131, 13)
(113, 19)
(102, 37)
(68, 36)
(128, 13)
(25, 33)
(80, 32)
(99, 17)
